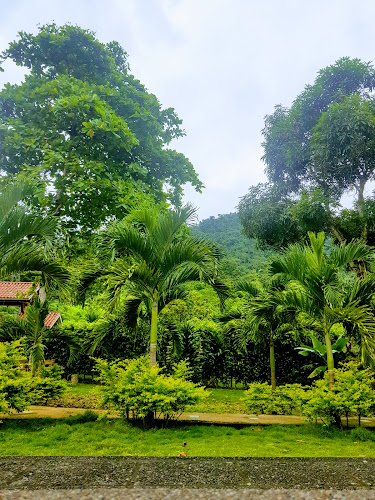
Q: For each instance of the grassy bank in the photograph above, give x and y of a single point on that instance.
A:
(82, 435)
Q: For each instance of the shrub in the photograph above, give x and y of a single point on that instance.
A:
(14, 384)
(352, 394)
(136, 389)
(260, 399)
(362, 434)
(48, 385)
(322, 403)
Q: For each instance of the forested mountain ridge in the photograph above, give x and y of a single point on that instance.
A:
(240, 253)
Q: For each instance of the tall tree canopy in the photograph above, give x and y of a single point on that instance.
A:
(322, 146)
(85, 130)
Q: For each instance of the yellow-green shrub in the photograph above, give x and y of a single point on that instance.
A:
(14, 383)
(134, 388)
(260, 399)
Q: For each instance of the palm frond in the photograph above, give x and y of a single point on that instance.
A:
(52, 272)
(91, 271)
(291, 264)
(11, 195)
(350, 252)
(315, 255)
(362, 291)
(362, 319)
(131, 310)
(250, 287)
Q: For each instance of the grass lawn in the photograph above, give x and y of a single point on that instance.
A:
(81, 436)
(219, 400)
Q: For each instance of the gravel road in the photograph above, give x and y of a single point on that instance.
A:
(134, 473)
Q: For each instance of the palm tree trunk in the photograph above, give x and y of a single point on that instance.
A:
(154, 328)
(272, 364)
(330, 361)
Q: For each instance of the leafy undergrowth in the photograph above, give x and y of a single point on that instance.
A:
(89, 396)
(83, 436)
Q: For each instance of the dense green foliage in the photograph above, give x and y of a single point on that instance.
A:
(18, 389)
(47, 385)
(14, 385)
(352, 395)
(315, 151)
(90, 209)
(85, 131)
(240, 254)
(284, 400)
(137, 389)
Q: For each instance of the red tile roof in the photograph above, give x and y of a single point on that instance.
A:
(15, 289)
(51, 319)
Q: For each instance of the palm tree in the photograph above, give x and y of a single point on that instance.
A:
(153, 257)
(317, 290)
(26, 239)
(265, 317)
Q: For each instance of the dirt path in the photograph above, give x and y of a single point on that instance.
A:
(213, 418)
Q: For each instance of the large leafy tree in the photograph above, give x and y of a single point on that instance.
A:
(343, 151)
(320, 294)
(265, 214)
(88, 133)
(288, 132)
(153, 257)
(323, 146)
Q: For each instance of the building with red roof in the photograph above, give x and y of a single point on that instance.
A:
(21, 294)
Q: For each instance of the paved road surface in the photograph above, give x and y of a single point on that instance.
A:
(33, 473)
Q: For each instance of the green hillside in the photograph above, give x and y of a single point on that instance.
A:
(241, 254)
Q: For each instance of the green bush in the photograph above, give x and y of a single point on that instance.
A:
(14, 383)
(17, 388)
(260, 399)
(322, 403)
(362, 434)
(48, 385)
(352, 394)
(136, 389)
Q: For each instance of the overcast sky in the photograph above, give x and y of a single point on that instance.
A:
(222, 64)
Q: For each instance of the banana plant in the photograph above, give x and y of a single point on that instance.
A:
(320, 350)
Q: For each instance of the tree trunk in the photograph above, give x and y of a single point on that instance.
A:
(154, 328)
(330, 361)
(336, 233)
(361, 208)
(272, 364)
(59, 196)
